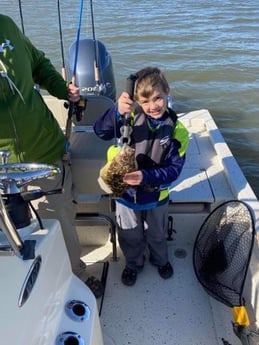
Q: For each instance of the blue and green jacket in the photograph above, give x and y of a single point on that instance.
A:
(160, 148)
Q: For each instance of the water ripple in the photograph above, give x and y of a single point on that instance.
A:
(209, 51)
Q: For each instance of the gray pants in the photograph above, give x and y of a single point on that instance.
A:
(61, 207)
(136, 229)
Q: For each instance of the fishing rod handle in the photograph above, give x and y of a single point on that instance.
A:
(130, 85)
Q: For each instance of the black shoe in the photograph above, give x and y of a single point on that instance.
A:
(96, 286)
(166, 271)
(129, 276)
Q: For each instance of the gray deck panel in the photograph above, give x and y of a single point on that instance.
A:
(191, 186)
(181, 314)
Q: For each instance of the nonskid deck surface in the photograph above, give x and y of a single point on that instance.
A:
(154, 311)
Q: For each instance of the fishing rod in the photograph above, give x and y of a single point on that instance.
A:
(99, 86)
(77, 41)
(76, 108)
(21, 16)
(126, 128)
(61, 41)
(96, 62)
(69, 118)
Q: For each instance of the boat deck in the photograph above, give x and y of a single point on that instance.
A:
(177, 311)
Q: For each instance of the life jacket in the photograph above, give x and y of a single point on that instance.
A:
(151, 144)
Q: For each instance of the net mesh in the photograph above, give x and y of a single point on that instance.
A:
(222, 251)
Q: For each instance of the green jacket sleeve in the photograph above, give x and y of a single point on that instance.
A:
(44, 73)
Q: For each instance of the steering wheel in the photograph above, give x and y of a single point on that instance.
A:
(16, 175)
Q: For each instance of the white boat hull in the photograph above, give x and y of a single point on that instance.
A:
(43, 318)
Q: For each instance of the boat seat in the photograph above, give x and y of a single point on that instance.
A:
(95, 106)
(88, 152)
(88, 155)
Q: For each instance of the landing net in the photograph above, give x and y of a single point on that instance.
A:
(222, 251)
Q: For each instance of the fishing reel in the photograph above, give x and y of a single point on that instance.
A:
(76, 109)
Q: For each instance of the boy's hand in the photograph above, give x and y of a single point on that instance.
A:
(125, 103)
(134, 178)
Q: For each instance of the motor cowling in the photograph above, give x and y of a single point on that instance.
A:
(91, 80)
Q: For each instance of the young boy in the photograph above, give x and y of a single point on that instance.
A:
(160, 142)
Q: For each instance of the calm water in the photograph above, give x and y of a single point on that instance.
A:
(209, 51)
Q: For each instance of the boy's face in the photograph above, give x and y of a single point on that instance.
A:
(155, 105)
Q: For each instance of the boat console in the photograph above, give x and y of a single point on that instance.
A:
(36, 276)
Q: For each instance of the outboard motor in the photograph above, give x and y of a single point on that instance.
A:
(94, 70)
(90, 66)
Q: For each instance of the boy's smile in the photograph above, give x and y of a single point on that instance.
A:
(155, 105)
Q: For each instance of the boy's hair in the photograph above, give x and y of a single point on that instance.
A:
(148, 79)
